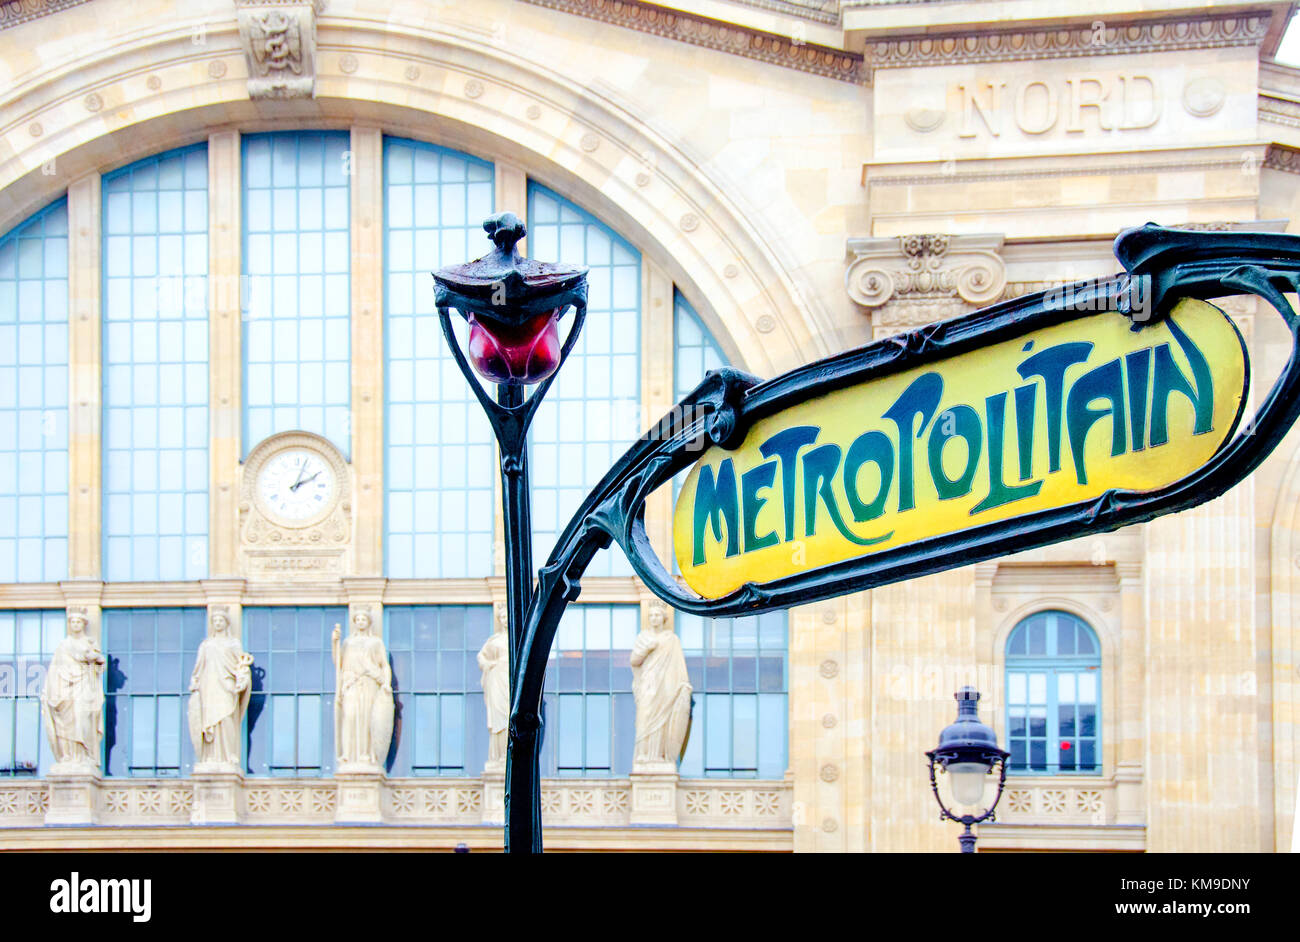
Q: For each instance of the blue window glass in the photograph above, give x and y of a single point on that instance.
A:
(34, 398)
(695, 352)
(150, 653)
(439, 457)
(588, 708)
(1053, 667)
(593, 411)
(155, 436)
(27, 642)
(291, 710)
(297, 259)
(441, 722)
(739, 671)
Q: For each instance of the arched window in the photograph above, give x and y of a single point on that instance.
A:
(34, 398)
(1053, 668)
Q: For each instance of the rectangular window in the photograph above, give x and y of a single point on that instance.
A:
(588, 708)
(151, 654)
(298, 263)
(592, 413)
(27, 642)
(34, 399)
(441, 722)
(155, 436)
(439, 457)
(739, 669)
(291, 711)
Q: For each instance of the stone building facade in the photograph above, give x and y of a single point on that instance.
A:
(759, 182)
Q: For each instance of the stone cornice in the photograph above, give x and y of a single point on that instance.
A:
(819, 11)
(1064, 42)
(722, 37)
(13, 12)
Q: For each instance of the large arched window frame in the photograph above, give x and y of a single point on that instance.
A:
(274, 211)
(1053, 695)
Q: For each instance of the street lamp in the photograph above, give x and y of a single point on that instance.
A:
(967, 752)
(513, 306)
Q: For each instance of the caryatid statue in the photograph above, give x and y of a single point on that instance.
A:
(220, 687)
(73, 698)
(494, 662)
(363, 702)
(662, 690)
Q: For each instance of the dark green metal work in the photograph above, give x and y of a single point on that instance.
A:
(1161, 266)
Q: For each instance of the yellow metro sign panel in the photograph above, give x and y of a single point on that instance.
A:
(1055, 417)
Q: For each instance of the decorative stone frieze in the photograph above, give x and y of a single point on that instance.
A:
(923, 278)
(232, 799)
(772, 49)
(1059, 43)
(279, 42)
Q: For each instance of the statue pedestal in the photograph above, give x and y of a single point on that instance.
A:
(217, 792)
(361, 796)
(72, 795)
(654, 793)
(494, 792)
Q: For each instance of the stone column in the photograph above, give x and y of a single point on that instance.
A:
(85, 372)
(368, 350)
(1202, 751)
(225, 360)
(1130, 797)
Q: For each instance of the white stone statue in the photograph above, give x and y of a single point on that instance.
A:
(220, 687)
(662, 690)
(363, 702)
(73, 699)
(494, 662)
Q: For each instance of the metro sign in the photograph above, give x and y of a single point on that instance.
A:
(1052, 418)
(1030, 422)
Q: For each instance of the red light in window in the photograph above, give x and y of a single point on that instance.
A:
(1065, 746)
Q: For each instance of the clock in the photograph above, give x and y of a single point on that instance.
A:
(296, 486)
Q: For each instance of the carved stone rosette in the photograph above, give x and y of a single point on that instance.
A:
(279, 42)
(916, 279)
(313, 550)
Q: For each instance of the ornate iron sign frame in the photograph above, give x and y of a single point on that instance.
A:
(1161, 266)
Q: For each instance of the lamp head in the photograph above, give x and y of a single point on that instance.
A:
(513, 305)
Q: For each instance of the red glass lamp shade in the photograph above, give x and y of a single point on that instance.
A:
(526, 353)
(513, 306)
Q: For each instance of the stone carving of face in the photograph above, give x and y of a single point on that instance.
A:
(361, 621)
(219, 624)
(77, 623)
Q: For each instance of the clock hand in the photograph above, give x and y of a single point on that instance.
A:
(294, 487)
(301, 468)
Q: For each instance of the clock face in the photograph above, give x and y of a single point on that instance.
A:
(296, 484)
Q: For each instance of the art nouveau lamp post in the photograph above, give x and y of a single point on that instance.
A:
(513, 306)
(967, 752)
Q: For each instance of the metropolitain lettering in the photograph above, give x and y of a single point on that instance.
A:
(988, 448)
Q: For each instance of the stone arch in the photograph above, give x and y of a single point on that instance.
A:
(122, 98)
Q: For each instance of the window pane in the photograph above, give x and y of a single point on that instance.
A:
(438, 451)
(150, 653)
(598, 393)
(155, 445)
(292, 731)
(297, 307)
(34, 399)
(433, 650)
